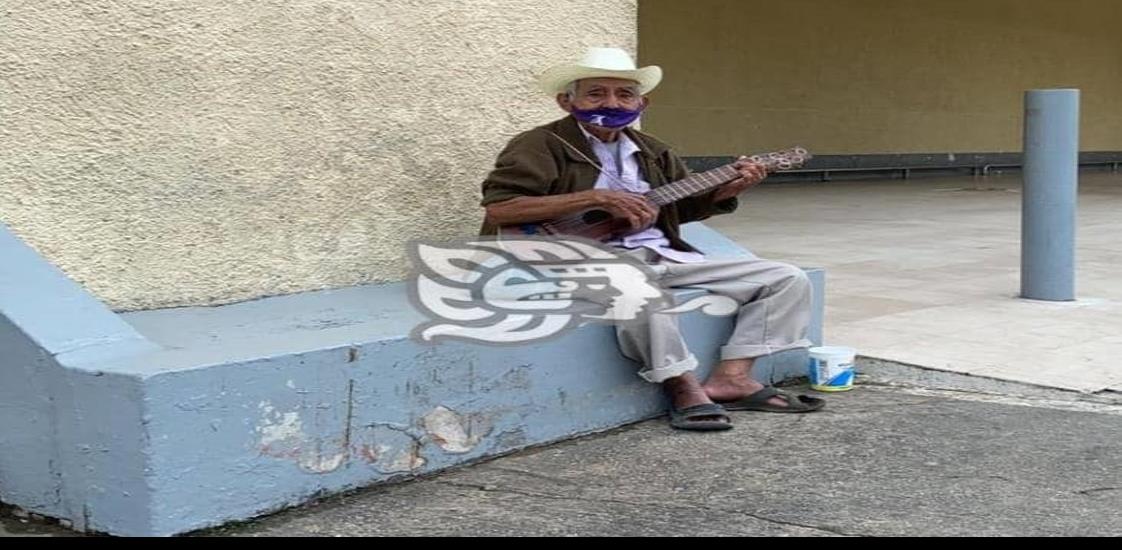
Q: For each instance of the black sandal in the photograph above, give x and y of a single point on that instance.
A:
(758, 402)
(700, 418)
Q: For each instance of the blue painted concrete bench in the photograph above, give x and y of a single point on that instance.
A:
(162, 422)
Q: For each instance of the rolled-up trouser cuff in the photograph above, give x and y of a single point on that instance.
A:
(669, 372)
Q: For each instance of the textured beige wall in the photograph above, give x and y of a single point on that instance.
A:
(876, 76)
(175, 152)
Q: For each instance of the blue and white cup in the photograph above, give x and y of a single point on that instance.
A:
(833, 369)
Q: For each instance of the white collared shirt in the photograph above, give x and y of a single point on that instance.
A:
(621, 173)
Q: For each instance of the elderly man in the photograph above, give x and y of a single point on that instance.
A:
(593, 159)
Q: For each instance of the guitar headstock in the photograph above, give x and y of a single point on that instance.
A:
(779, 161)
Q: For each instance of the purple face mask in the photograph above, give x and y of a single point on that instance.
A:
(613, 119)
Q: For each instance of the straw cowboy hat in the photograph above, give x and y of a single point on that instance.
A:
(601, 63)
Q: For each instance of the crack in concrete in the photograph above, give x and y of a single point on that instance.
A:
(1090, 492)
(494, 489)
(350, 416)
(998, 478)
(1063, 401)
(543, 477)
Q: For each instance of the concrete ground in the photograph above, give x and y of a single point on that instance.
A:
(880, 461)
(927, 272)
(922, 272)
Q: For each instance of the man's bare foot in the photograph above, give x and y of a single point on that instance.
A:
(731, 382)
(686, 391)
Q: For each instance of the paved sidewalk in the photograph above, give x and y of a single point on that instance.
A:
(926, 272)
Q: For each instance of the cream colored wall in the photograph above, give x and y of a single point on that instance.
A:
(186, 152)
(876, 76)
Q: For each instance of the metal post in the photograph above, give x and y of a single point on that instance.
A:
(1051, 195)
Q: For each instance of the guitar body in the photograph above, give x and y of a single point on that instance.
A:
(593, 225)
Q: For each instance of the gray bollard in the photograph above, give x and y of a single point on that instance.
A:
(1051, 195)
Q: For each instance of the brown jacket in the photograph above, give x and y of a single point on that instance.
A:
(537, 164)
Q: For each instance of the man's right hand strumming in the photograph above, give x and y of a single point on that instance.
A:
(636, 210)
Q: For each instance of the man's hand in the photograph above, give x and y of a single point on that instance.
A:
(639, 212)
(636, 210)
(751, 175)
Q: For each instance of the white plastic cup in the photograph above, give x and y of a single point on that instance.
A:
(833, 369)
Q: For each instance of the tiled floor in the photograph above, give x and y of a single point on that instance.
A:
(927, 272)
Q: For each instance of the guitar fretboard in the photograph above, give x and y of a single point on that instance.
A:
(697, 184)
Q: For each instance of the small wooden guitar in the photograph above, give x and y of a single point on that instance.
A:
(599, 225)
